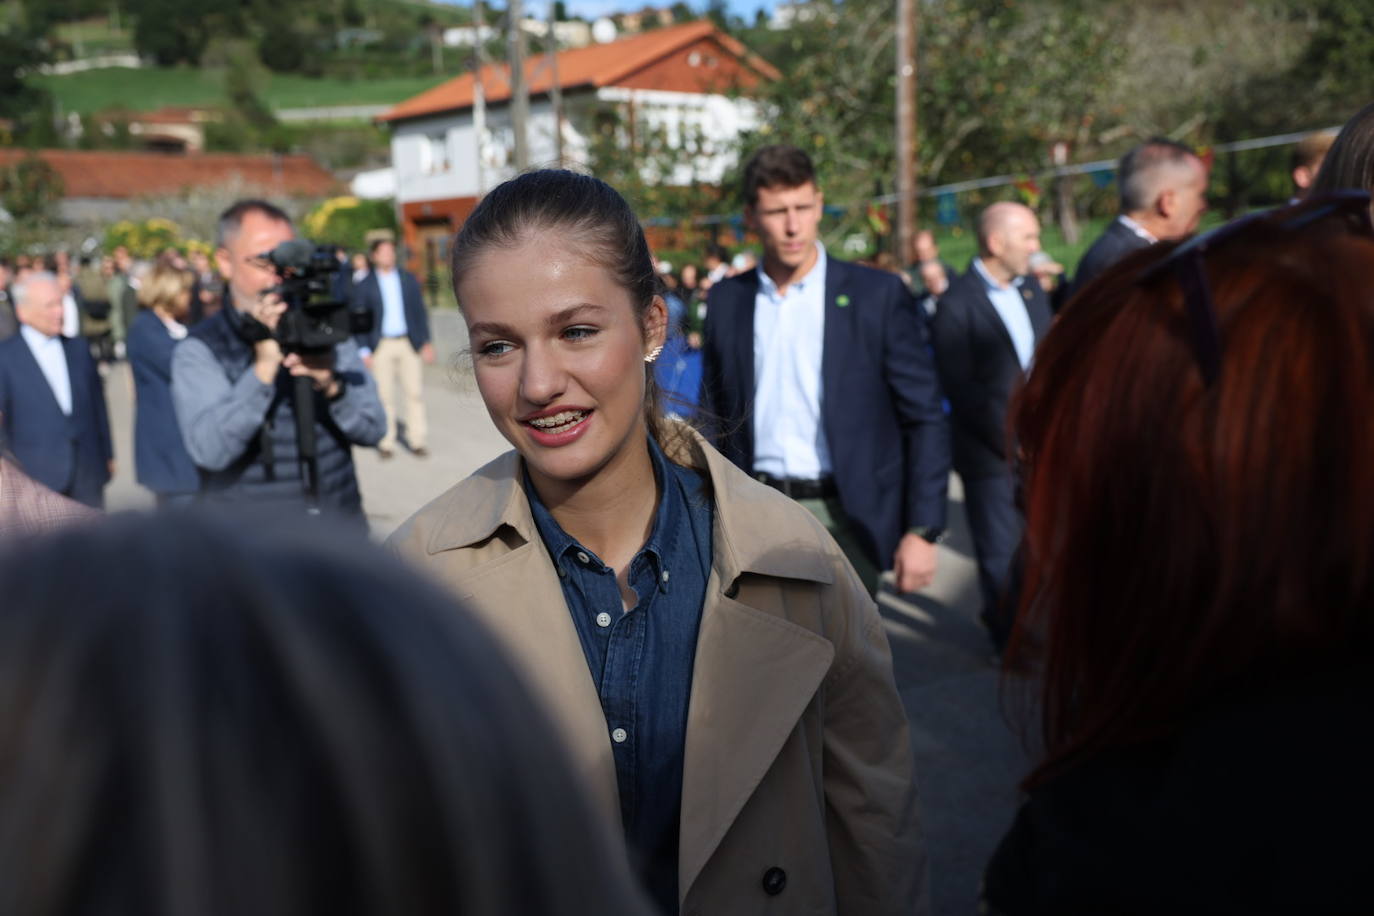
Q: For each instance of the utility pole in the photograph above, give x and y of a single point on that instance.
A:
(555, 88)
(906, 128)
(479, 95)
(519, 92)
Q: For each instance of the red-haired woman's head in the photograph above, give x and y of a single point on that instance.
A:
(1187, 538)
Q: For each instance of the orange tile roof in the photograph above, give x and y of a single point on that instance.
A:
(592, 66)
(121, 175)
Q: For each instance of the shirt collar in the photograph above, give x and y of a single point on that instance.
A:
(816, 273)
(751, 526)
(35, 338)
(1137, 228)
(991, 283)
(668, 517)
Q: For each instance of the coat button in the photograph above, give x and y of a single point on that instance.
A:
(774, 880)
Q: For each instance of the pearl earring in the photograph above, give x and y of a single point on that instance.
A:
(653, 354)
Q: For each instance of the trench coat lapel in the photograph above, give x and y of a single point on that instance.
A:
(754, 675)
(518, 596)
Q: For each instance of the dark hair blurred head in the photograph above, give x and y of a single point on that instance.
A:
(195, 720)
(1349, 163)
(1186, 540)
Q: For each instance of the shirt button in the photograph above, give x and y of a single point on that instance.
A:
(582, 557)
(603, 619)
(665, 577)
(619, 735)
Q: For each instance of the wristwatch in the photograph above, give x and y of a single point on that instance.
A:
(928, 533)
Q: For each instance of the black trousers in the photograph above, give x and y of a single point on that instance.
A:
(997, 526)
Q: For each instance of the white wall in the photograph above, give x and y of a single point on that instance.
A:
(436, 158)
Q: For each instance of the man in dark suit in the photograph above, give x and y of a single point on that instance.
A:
(51, 398)
(1163, 187)
(397, 344)
(817, 380)
(985, 331)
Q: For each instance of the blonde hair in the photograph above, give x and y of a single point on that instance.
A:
(163, 285)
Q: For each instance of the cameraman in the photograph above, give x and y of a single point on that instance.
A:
(232, 386)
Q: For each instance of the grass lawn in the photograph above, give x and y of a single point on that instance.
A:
(152, 87)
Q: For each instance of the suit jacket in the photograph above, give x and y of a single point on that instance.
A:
(69, 455)
(881, 406)
(797, 748)
(1116, 241)
(368, 294)
(979, 368)
(160, 456)
(28, 508)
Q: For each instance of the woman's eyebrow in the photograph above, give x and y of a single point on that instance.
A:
(568, 314)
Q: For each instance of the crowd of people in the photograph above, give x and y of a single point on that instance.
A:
(635, 663)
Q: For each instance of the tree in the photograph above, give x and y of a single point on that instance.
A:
(174, 31)
(30, 190)
(21, 52)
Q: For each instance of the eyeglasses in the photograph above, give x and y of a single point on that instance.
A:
(1347, 210)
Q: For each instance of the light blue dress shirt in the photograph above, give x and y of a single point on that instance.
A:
(1011, 308)
(47, 351)
(789, 337)
(393, 304)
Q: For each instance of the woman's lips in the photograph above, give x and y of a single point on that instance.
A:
(558, 429)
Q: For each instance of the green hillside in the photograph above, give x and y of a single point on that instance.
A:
(151, 88)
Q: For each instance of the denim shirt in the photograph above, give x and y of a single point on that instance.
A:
(641, 660)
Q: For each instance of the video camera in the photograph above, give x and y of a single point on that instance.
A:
(314, 321)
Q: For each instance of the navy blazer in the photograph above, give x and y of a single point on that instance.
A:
(979, 368)
(1115, 242)
(69, 455)
(881, 405)
(368, 294)
(160, 457)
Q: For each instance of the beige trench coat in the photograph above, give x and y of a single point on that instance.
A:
(797, 753)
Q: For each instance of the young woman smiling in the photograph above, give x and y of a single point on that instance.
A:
(741, 721)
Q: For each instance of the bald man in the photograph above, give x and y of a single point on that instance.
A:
(985, 330)
(1163, 188)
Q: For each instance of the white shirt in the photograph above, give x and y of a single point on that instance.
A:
(789, 336)
(71, 316)
(176, 329)
(52, 359)
(393, 305)
(1011, 308)
(1137, 228)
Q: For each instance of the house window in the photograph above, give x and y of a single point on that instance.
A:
(434, 155)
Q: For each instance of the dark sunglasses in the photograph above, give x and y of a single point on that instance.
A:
(1349, 210)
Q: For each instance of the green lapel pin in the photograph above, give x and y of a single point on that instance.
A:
(842, 300)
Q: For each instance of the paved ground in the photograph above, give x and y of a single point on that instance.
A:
(968, 762)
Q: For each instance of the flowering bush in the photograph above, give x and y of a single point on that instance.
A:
(145, 239)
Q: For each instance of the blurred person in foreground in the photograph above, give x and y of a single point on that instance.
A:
(719, 670)
(817, 379)
(202, 720)
(398, 346)
(52, 400)
(233, 386)
(1163, 189)
(161, 461)
(27, 507)
(1349, 164)
(1199, 595)
(985, 331)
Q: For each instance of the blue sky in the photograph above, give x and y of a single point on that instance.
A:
(590, 9)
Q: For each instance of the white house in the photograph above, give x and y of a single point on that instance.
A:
(685, 80)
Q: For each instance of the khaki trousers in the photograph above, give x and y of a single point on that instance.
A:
(395, 357)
